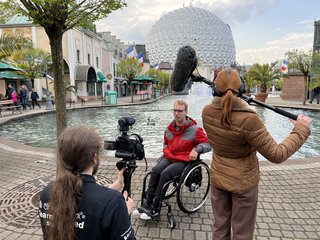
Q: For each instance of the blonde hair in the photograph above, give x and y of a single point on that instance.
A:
(182, 102)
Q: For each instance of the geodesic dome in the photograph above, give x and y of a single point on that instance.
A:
(204, 31)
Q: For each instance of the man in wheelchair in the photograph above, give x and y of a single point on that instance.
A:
(183, 142)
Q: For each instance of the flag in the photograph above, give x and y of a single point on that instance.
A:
(284, 67)
(140, 58)
(156, 66)
(130, 51)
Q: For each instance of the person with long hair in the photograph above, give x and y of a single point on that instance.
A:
(236, 133)
(74, 206)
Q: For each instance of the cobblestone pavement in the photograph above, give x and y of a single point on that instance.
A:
(288, 207)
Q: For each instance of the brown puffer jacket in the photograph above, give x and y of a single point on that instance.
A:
(234, 165)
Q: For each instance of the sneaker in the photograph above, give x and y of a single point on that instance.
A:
(136, 212)
(145, 217)
(148, 215)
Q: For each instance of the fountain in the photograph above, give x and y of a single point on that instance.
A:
(40, 131)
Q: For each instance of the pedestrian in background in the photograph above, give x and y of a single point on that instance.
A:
(34, 98)
(9, 91)
(14, 97)
(26, 97)
(315, 93)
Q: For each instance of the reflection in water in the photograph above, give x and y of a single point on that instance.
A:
(40, 131)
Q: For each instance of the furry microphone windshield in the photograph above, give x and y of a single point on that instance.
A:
(186, 63)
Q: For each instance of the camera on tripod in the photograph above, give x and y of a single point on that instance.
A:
(128, 147)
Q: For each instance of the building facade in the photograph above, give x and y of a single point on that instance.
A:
(90, 59)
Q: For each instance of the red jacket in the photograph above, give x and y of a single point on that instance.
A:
(178, 143)
(14, 97)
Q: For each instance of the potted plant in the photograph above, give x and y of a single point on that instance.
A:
(250, 83)
(263, 75)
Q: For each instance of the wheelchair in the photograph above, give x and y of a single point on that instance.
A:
(191, 189)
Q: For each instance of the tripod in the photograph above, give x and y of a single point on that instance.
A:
(130, 166)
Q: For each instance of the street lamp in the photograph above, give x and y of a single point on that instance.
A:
(49, 105)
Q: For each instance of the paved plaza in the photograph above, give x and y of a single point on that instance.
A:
(288, 208)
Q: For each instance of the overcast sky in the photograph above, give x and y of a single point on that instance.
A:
(263, 30)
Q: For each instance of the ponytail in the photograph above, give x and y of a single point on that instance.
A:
(63, 205)
(226, 102)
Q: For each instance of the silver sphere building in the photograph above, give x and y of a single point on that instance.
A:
(204, 31)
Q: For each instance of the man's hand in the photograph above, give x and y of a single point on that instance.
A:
(119, 183)
(129, 202)
(193, 155)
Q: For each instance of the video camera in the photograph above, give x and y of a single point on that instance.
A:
(128, 147)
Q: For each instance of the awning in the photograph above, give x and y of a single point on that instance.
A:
(11, 76)
(136, 82)
(101, 77)
(8, 67)
(144, 78)
(85, 73)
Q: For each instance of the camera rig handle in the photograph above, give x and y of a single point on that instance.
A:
(130, 166)
(275, 109)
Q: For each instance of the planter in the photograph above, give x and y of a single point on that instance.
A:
(261, 96)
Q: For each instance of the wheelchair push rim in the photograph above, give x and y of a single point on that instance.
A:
(193, 187)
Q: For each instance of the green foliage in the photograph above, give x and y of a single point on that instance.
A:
(68, 88)
(300, 61)
(250, 83)
(10, 44)
(129, 68)
(33, 61)
(278, 84)
(64, 14)
(162, 77)
(308, 64)
(264, 75)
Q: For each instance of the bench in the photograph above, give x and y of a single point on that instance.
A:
(144, 93)
(9, 104)
(85, 99)
(70, 101)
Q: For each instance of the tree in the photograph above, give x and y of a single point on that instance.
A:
(9, 44)
(129, 68)
(57, 17)
(263, 75)
(302, 62)
(162, 77)
(31, 60)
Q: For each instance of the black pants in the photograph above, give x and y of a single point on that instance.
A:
(163, 172)
(317, 95)
(35, 101)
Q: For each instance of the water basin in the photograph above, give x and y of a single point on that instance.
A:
(40, 131)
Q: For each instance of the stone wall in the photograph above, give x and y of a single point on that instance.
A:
(293, 87)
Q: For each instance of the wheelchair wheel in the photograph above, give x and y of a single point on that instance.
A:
(193, 188)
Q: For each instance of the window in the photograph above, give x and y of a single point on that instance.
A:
(88, 58)
(97, 62)
(78, 55)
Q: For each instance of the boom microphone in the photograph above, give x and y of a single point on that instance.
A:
(185, 64)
